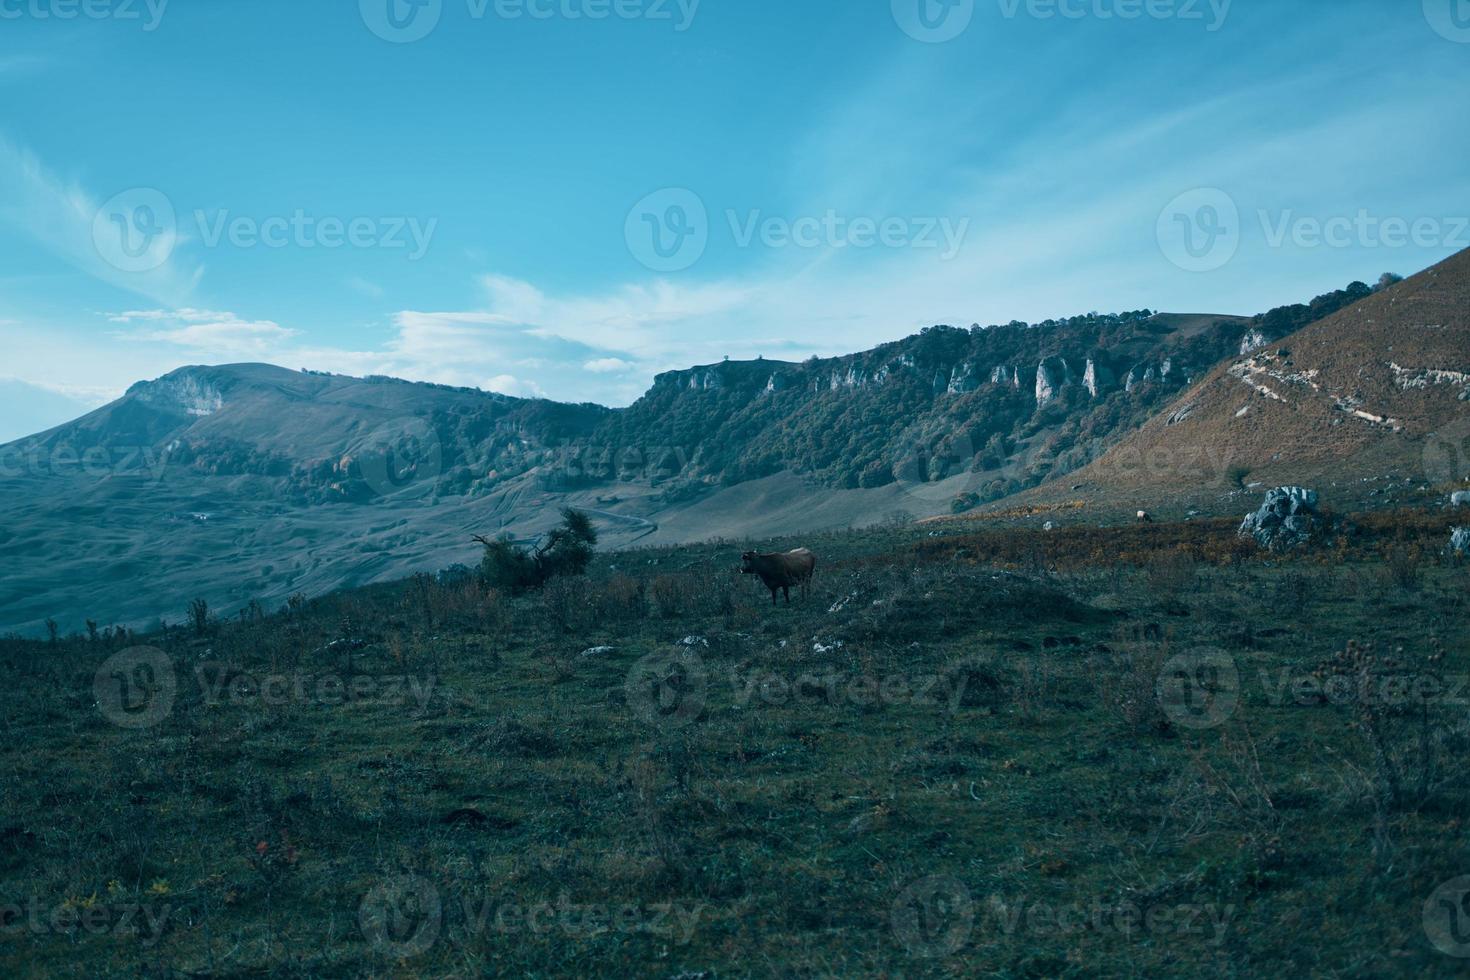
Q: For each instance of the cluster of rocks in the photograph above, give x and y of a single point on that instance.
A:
(1287, 519)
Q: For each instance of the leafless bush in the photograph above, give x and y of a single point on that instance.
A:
(1126, 680)
(1403, 566)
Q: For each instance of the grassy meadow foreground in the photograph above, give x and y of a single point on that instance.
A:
(974, 750)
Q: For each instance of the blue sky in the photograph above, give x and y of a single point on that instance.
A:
(207, 181)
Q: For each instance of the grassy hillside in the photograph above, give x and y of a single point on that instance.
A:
(1377, 393)
(1141, 752)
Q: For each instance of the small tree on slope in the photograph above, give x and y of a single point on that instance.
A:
(568, 550)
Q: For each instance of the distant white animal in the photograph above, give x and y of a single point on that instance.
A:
(1144, 517)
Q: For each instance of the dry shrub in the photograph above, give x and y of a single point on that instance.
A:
(621, 597)
(1126, 679)
(1403, 565)
(568, 601)
(1033, 687)
(1172, 573)
(670, 595)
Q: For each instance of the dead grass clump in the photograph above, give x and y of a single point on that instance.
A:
(1126, 680)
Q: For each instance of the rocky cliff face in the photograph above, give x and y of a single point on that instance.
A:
(1097, 378)
(1052, 375)
(184, 392)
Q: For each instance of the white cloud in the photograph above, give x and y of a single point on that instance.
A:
(59, 215)
(369, 289)
(506, 384)
(205, 331)
(607, 365)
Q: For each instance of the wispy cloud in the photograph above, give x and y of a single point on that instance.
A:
(369, 289)
(607, 365)
(204, 331)
(62, 217)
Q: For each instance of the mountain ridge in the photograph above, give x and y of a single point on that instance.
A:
(252, 482)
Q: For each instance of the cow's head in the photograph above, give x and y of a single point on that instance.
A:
(747, 563)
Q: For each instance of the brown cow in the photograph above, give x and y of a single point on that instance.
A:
(781, 571)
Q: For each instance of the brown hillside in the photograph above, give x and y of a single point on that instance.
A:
(1374, 395)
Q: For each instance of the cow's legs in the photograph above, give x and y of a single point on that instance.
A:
(787, 590)
(773, 596)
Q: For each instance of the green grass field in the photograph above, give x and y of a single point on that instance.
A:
(972, 751)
